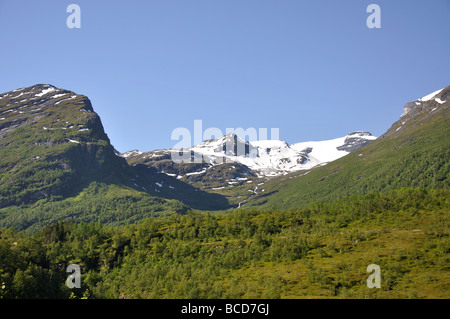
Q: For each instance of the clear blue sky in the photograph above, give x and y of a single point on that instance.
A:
(312, 68)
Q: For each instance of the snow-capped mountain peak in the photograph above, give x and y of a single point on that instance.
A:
(227, 145)
(276, 157)
(264, 158)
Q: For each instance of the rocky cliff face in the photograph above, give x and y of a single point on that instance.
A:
(51, 143)
(439, 96)
(419, 111)
(355, 140)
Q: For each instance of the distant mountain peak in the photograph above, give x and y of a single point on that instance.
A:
(264, 157)
(355, 140)
(359, 133)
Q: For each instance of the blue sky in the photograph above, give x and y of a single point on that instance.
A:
(313, 69)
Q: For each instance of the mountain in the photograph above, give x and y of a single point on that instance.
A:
(264, 158)
(57, 163)
(51, 143)
(53, 147)
(235, 169)
(414, 152)
(315, 248)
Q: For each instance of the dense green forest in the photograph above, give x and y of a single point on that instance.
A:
(110, 204)
(319, 251)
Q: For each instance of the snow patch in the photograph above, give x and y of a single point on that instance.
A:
(131, 153)
(430, 96)
(15, 97)
(59, 95)
(65, 99)
(196, 173)
(45, 91)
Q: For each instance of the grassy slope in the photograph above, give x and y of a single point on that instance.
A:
(410, 248)
(414, 156)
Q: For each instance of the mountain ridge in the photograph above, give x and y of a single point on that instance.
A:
(237, 169)
(53, 147)
(264, 157)
(413, 152)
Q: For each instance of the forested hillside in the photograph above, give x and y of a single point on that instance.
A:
(67, 198)
(321, 250)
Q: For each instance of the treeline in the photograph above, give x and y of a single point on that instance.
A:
(204, 255)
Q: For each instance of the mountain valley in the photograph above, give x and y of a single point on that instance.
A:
(252, 219)
(54, 148)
